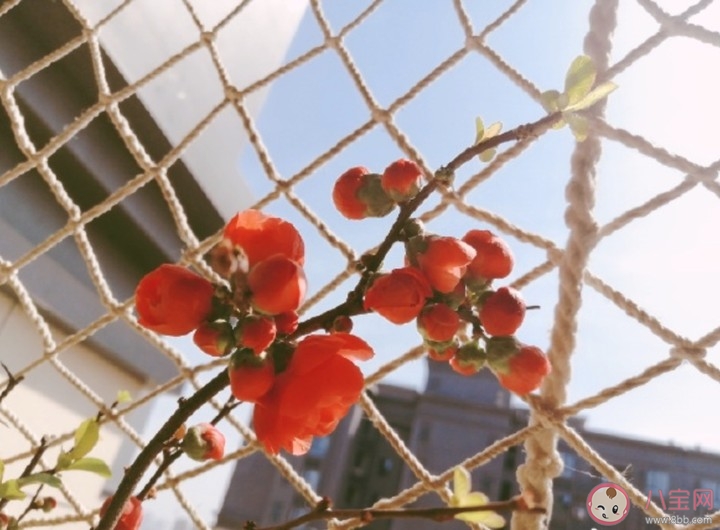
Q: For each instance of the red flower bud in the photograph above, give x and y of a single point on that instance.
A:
(523, 372)
(468, 359)
(287, 322)
(261, 236)
(173, 300)
(256, 333)
(402, 180)
(214, 338)
(502, 312)
(494, 258)
(250, 377)
(443, 260)
(277, 285)
(204, 442)
(358, 194)
(438, 323)
(131, 515)
(442, 351)
(398, 296)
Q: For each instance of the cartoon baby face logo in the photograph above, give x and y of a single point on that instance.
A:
(608, 504)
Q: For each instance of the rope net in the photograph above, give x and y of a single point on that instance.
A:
(562, 257)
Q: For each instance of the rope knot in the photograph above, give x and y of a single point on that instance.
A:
(689, 353)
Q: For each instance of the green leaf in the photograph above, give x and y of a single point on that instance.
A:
(123, 396)
(11, 490)
(86, 437)
(40, 478)
(596, 94)
(461, 482)
(462, 497)
(579, 80)
(64, 459)
(2, 470)
(549, 101)
(93, 465)
(578, 126)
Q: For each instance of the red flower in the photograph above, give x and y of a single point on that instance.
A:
(502, 312)
(173, 300)
(204, 442)
(313, 394)
(287, 322)
(494, 258)
(438, 323)
(131, 515)
(261, 236)
(250, 377)
(214, 338)
(257, 333)
(358, 194)
(443, 261)
(401, 180)
(398, 296)
(442, 352)
(524, 371)
(277, 285)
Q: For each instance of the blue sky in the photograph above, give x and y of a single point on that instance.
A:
(308, 110)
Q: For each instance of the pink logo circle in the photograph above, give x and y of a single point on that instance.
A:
(608, 504)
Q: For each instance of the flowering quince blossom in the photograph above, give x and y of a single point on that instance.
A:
(313, 394)
(261, 236)
(493, 258)
(524, 371)
(443, 261)
(204, 442)
(402, 180)
(438, 323)
(502, 312)
(358, 194)
(173, 300)
(277, 285)
(250, 376)
(131, 516)
(214, 338)
(399, 296)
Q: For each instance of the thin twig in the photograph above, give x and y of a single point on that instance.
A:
(12, 382)
(30, 467)
(322, 511)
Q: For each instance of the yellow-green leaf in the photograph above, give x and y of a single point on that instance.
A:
(123, 396)
(40, 478)
(493, 130)
(11, 490)
(579, 80)
(487, 155)
(549, 101)
(2, 470)
(64, 459)
(578, 126)
(93, 465)
(86, 437)
(596, 94)
(463, 497)
(479, 130)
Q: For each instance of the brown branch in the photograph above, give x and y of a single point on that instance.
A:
(352, 306)
(12, 382)
(30, 467)
(322, 511)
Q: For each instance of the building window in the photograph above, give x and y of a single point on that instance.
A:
(319, 447)
(385, 466)
(569, 463)
(312, 477)
(657, 480)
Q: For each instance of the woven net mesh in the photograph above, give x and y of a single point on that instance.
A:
(564, 255)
